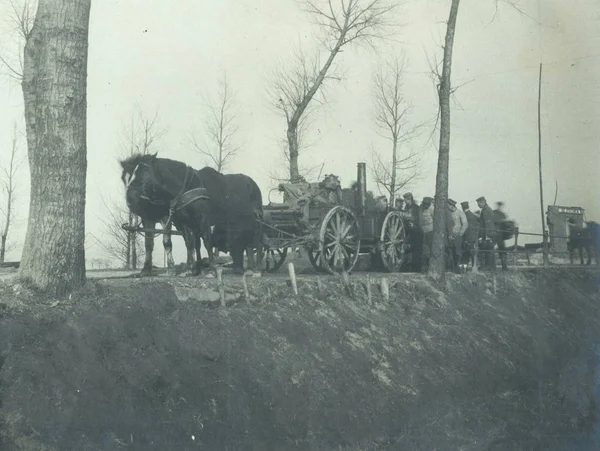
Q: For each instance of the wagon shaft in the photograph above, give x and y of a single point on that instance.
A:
(130, 228)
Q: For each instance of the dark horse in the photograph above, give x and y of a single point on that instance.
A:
(236, 212)
(585, 238)
(154, 202)
(205, 198)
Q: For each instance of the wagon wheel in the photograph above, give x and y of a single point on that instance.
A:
(274, 257)
(391, 242)
(314, 255)
(339, 240)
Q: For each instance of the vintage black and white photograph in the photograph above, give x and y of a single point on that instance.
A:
(299, 225)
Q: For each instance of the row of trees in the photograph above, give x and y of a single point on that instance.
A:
(54, 91)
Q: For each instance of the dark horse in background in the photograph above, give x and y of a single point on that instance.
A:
(236, 214)
(229, 202)
(149, 200)
(585, 238)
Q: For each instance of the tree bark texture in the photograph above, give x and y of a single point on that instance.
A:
(54, 91)
(438, 261)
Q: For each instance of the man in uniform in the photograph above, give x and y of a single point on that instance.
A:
(399, 204)
(459, 227)
(470, 236)
(487, 233)
(500, 220)
(412, 215)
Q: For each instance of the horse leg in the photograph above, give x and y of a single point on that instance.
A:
(188, 236)
(197, 245)
(250, 254)
(208, 244)
(168, 245)
(149, 245)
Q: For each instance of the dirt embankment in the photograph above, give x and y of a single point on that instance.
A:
(141, 365)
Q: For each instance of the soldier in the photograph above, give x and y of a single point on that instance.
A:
(500, 221)
(487, 233)
(399, 204)
(470, 236)
(412, 214)
(459, 227)
(427, 227)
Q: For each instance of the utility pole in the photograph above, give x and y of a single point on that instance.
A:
(544, 232)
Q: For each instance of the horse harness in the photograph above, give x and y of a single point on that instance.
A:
(185, 198)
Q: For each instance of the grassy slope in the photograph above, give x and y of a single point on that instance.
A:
(126, 363)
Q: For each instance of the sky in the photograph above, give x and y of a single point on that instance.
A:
(153, 55)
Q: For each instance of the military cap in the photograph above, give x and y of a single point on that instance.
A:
(408, 195)
(481, 199)
(427, 200)
(465, 204)
(452, 202)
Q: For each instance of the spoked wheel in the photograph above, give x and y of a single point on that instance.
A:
(314, 255)
(391, 242)
(339, 240)
(274, 258)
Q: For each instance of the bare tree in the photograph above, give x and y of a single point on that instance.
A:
(121, 244)
(342, 22)
(221, 128)
(400, 166)
(55, 97)
(445, 90)
(8, 183)
(20, 18)
(437, 264)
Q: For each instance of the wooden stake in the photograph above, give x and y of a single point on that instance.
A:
(346, 283)
(369, 294)
(245, 283)
(220, 285)
(385, 290)
(292, 273)
(319, 286)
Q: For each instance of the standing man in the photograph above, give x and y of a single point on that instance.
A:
(412, 214)
(501, 222)
(487, 233)
(427, 227)
(399, 204)
(459, 227)
(470, 236)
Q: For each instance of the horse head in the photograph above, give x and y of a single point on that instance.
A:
(138, 170)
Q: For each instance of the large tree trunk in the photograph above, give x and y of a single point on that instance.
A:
(2, 248)
(438, 260)
(54, 92)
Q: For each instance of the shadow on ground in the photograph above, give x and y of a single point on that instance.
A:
(503, 362)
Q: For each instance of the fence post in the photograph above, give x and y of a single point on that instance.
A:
(220, 285)
(545, 248)
(516, 246)
(292, 274)
(475, 255)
